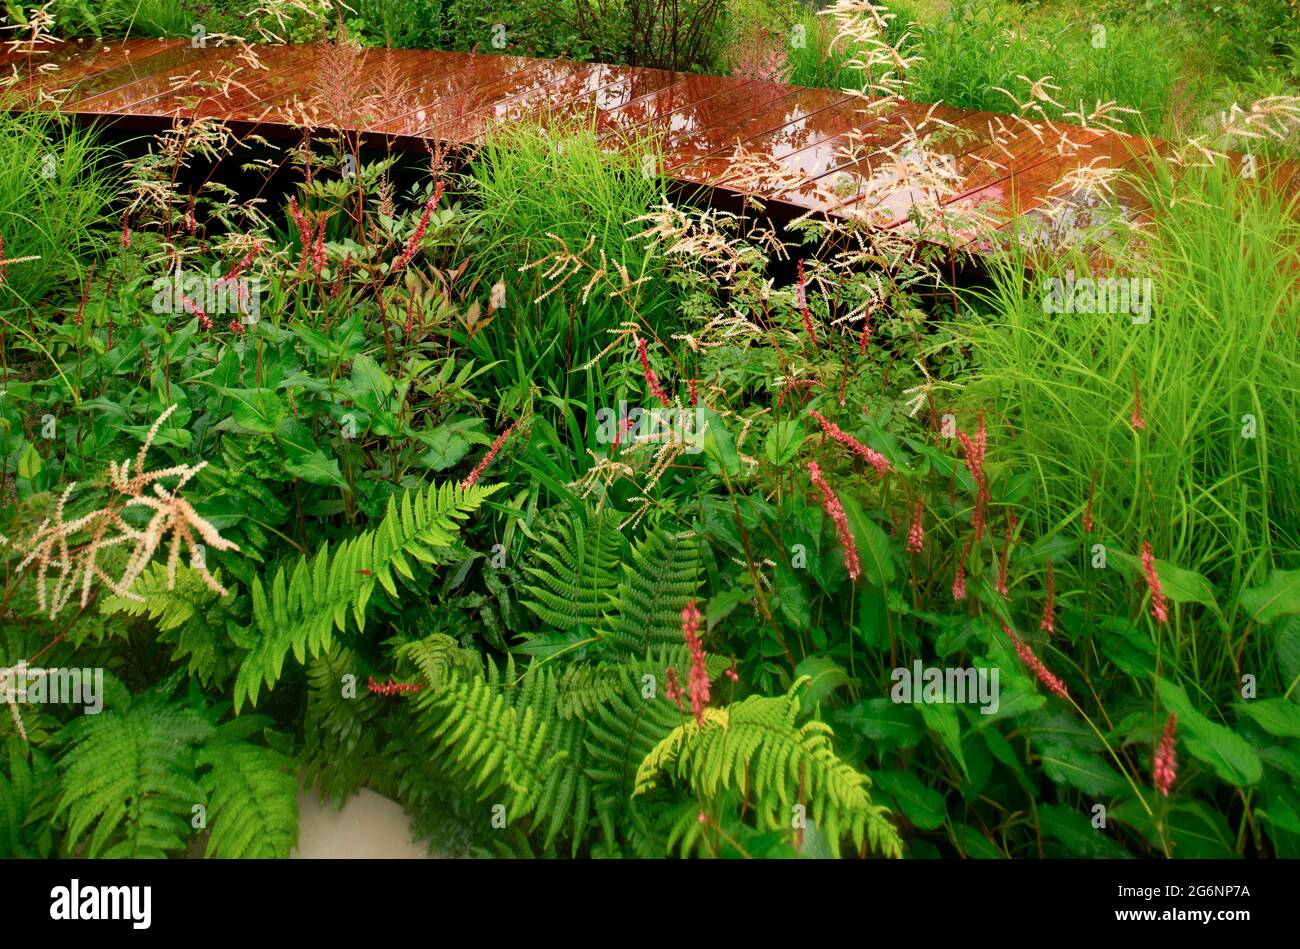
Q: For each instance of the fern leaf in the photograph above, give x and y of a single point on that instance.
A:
(662, 575)
(300, 611)
(571, 572)
(252, 797)
(181, 614)
(757, 746)
(128, 778)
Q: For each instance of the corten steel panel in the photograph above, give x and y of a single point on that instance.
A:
(914, 139)
(561, 97)
(440, 101)
(381, 83)
(83, 64)
(819, 150)
(673, 108)
(1059, 208)
(627, 85)
(796, 155)
(466, 103)
(221, 90)
(119, 77)
(199, 65)
(780, 122)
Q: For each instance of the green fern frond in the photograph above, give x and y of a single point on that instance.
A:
(300, 610)
(340, 742)
(436, 656)
(661, 577)
(571, 570)
(496, 748)
(252, 794)
(181, 614)
(25, 791)
(757, 746)
(128, 774)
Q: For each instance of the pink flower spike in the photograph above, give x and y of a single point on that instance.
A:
(698, 680)
(1136, 419)
(974, 450)
(1159, 605)
(801, 292)
(651, 380)
(304, 233)
(869, 455)
(835, 511)
(1035, 664)
(1165, 768)
(205, 321)
(413, 244)
(916, 533)
(1087, 510)
(959, 583)
(1048, 622)
(474, 475)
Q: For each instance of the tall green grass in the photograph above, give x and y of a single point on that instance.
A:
(532, 185)
(982, 45)
(133, 17)
(54, 196)
(1219, 355)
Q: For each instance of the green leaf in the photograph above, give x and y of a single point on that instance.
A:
(720, 454)
(1229, 755)
(447, 446)
(1276, 716)
(1066, 764)
(1179, 585)
(792, 599)
(943, 721)
(881, 720)
(873, 544)
(258, 410)
(824, 678)
(923, 806)
(1280, 596)
(1287, 649)
(1076, 832)
(29, 462)
(1198, 833)
(783, 442)
(318, 469)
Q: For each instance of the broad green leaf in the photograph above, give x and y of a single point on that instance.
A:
(881, 720)
(29, 462)
(1276, 716)
(1280, 596)
(1179, 585)
(1074, 829)
(943, 721)
(873, 544)
(923, 806)
(1198, 833)
(1066, 764)
(1230, 756)
(447, 447)
(318, 469)
(783, 442)
(258, 410)
(792, 599)
(719, 447)
(824, 678)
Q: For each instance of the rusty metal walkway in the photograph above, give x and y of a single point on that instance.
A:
(798, 149)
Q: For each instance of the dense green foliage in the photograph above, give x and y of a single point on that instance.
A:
(585, 524)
